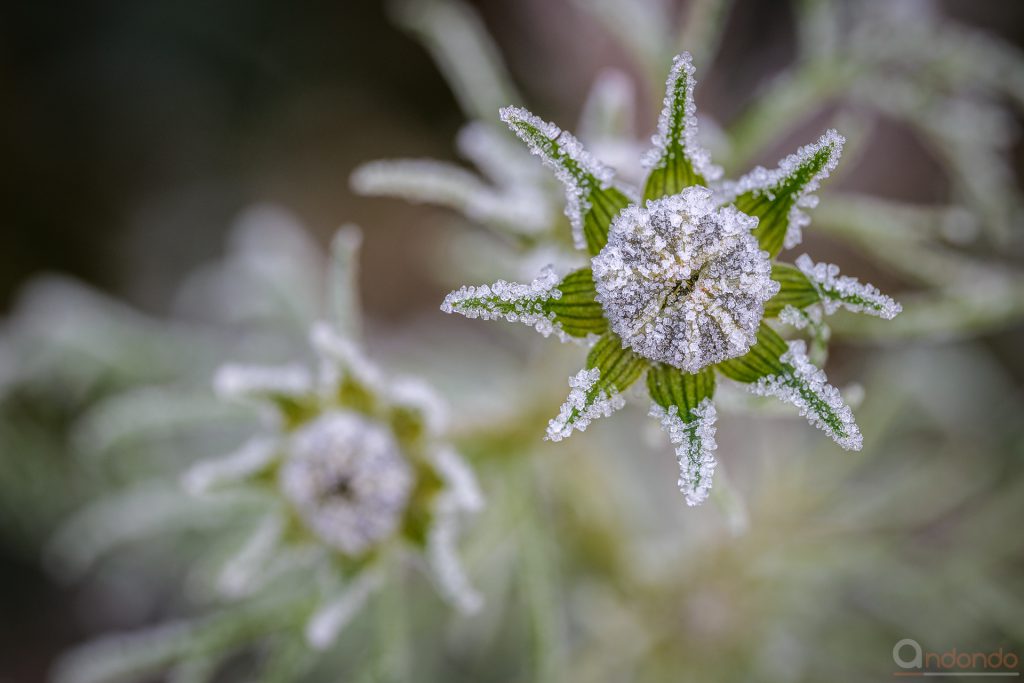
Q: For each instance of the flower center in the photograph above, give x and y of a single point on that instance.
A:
(682, 281)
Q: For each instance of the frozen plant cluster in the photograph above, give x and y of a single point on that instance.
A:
(682, 281)
(683, 278)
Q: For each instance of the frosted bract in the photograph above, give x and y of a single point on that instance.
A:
(806, 387)
(677, 125)
(694, 439)
(581, 173)
(586, 403)
(510, 301)
(847, 292)
(255, 381)
(348, 480)
(683, 282)
(790, 184)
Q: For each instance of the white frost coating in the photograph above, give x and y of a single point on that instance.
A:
(425, 180)
(348, 481)
(511, 301)
(847, 292)
(804, 380)
(699, 158)
(791, 315)
(577, 412)
(577, 191)
(328, 621)
(694, 440)
(763, 181)
(240, 381)
(250, 458)
(682, 281)
(451, 578)
(242, 573)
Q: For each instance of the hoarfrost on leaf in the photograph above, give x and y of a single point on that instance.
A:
(510, 301)
(683, 282)
(694, 438)
(806, 387)
(847, 292)
(586, 403)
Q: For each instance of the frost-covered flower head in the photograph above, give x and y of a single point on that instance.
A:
(682, 280)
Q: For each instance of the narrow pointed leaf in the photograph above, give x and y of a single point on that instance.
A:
(592, 201)
(610, 110)
(794, 290)
(777, 197)
(773, 368)
(677, 161)
(835, 290)
(566, 308)
(682, 402)
(597, 390)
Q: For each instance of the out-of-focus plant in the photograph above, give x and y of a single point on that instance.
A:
(349, 472)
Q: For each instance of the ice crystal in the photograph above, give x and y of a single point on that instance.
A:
(348, 480)
(573, 165)
(510, 301)
(694, 438)
(586, 403)
(809, 165)
(680, 79)
(806, 387)
(684, 282)
(847, 292)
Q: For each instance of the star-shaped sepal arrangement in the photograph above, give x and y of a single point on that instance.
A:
(683, 279)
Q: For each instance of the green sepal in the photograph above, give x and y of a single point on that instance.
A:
(593, 203)
(760, 361)
(669, 386)
(577, 310)
(672, 169)
(773, 203)
(619, 365)
(794, 290)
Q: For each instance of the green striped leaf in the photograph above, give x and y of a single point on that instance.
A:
(577, 310)
(596, 391)
(682, 402)
(592, 201)
(567, 308)
(777, 197)
(762, 359)
(677, 161)
(671, 387)
(794, 290)
(774, 368)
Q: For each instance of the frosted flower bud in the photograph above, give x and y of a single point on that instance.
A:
(348, 481)
(682, 281)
